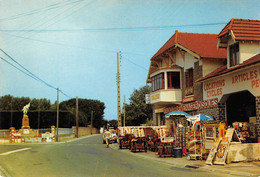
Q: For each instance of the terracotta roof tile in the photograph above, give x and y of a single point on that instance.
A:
(223, 69)
(243, 29)
(204, 45)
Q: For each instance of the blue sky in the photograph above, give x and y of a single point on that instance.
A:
(72, 44)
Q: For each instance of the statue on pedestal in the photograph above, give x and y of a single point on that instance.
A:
(25, 124)
(26, 108)
(26, 131)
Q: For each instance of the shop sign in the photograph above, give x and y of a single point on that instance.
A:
(215, 88)
(188, 99)
(159, 110)
(148, 98)
(193, 106)
(155, 97)
(244, 80)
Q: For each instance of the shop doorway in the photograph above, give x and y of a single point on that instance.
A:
(240, 106)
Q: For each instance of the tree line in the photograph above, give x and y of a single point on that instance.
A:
(42, 114)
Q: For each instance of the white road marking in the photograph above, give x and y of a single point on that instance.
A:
(18, 150)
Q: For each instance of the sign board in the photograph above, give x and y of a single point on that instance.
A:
(213, 152)
(159, 110)
(221, 154)
(188, 99)
(231, 134)
(220, 148)
(155, 97)
(248, 79)
(148, 98)
(193, 106)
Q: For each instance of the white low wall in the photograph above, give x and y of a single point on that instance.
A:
(4, 141)
(243, 152)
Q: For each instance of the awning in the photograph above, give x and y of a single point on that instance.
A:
(177, 113)
(200, 117)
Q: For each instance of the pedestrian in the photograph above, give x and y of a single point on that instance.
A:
(107, 141)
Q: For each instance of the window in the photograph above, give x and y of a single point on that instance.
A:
(189, 78)
(173, 80)
(234, 54)
(158, 82)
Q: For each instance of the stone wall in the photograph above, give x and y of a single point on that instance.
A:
(221, 111)
(83, 131)
(198, 87)
(210, 111)
(217, 112)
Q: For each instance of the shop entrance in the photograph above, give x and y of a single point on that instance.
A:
(240, 106)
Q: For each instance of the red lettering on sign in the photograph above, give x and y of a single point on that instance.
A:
(214, 85)
(214, 93)
(256, 83)
(193, 106)
(245, 77)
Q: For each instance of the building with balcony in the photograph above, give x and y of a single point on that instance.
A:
(217, 75)
(174, 68)
(236, 85)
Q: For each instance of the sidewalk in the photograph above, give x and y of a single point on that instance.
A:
(236, 169)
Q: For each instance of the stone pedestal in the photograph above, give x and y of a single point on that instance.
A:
(25, 124)
(25, 129)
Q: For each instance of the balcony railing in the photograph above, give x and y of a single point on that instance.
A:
(166, 96)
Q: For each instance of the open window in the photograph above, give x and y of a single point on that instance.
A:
(173, 79)
(234, 54)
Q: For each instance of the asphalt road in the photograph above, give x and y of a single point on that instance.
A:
(84, 157)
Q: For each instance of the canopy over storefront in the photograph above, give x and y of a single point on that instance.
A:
(177, 113)
(200, 117)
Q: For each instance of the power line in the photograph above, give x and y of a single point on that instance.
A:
(73, 46)
(28, 73)
(44, 9)
(135, 63)
(47, 19)
(18, 68)
(144, 28)
(61, 44)
(28, 70)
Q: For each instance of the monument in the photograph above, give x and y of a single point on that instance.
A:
(25, 124)
(25, 129)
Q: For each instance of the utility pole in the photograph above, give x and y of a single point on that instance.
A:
(77, 117)
(124, 111)
(118, 93)
(91, 121)
(38, 121)
(57, 131)
(11, 114)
